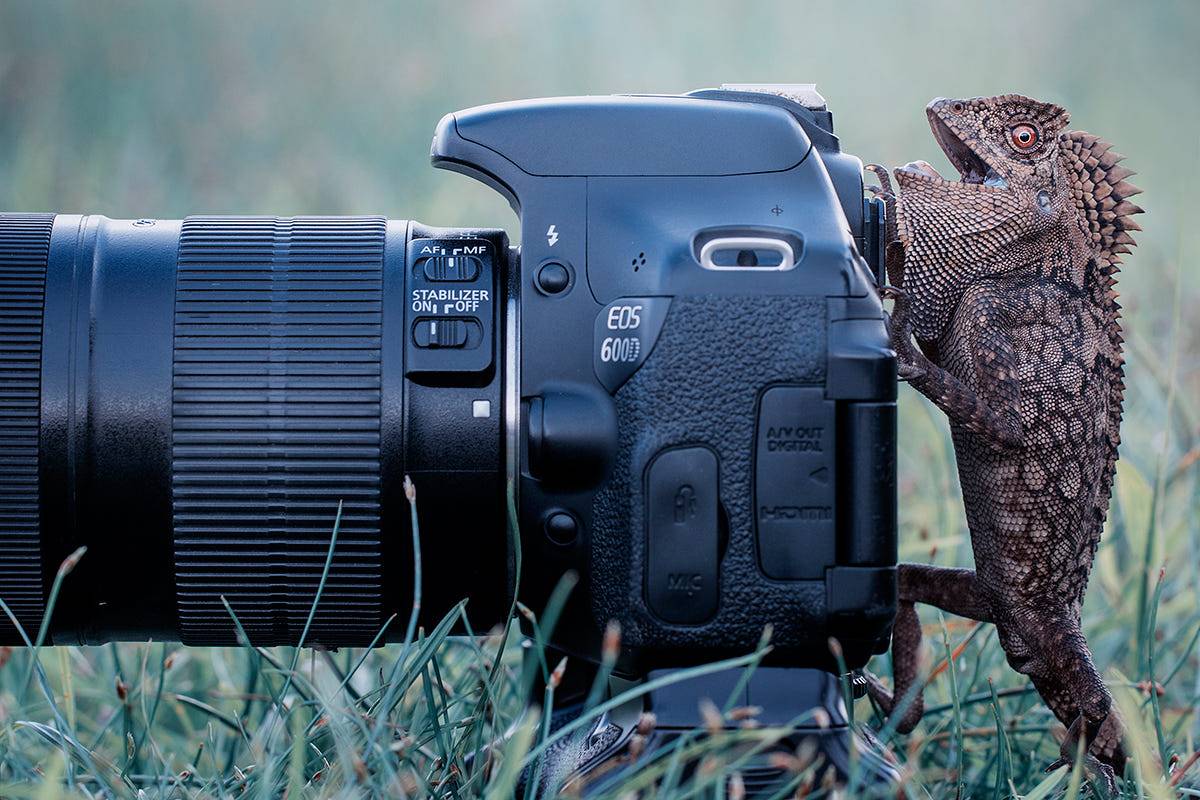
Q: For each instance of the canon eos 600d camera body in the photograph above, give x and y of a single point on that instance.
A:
(700, 390)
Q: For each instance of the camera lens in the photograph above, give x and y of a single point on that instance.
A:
(199, 403)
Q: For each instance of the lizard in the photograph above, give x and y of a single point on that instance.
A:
(1005, 316)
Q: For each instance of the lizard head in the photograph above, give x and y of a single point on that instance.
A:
(1011, 191)
(997, 144)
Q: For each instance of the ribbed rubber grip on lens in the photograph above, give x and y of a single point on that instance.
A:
(276, 415)
(24, 252)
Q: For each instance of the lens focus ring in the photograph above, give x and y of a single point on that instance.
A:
(276, 419)
(24, 251)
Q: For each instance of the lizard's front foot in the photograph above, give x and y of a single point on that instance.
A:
(884, 189)
(911, 362)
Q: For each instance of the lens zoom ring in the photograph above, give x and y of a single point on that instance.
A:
(276, 420)
(24, 251)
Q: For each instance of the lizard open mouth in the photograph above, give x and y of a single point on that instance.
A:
(971, 166)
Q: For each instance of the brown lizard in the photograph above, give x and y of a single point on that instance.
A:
(1006, 280)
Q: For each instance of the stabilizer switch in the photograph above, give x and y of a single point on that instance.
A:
(451, 302)
(446, 332)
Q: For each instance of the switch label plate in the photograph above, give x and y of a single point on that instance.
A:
(451, 306)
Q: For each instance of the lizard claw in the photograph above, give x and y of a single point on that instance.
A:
(1102, 772)
(877, 691)
(881, 174)
(911, 363)
(1106, 775)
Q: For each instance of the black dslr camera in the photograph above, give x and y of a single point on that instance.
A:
(700, 393)
(682, 376)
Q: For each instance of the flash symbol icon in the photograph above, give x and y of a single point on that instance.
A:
(551, 236)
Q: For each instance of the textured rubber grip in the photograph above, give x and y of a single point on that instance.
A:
(24, 252)
(276, 419)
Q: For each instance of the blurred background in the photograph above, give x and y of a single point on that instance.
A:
(165, 109)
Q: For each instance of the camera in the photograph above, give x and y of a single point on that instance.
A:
(680, 380)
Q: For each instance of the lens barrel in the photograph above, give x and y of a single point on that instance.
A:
(198, 403)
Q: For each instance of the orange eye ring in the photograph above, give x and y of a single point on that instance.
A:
(1024, 137)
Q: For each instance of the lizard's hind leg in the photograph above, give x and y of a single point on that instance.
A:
(1050, 648)
(1108, 746)
(952, 590)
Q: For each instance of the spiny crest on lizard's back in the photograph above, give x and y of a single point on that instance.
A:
(1104, 216)
(1101, 193)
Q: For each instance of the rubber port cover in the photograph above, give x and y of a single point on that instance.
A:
(795, 482)
(681, 518)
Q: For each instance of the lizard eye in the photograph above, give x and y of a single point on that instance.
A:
(1024, 136)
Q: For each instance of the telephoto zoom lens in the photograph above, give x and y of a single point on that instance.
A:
(200, 403)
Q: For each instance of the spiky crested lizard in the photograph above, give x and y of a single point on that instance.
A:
(1006, 280)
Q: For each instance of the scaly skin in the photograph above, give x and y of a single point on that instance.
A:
(1006, 281)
